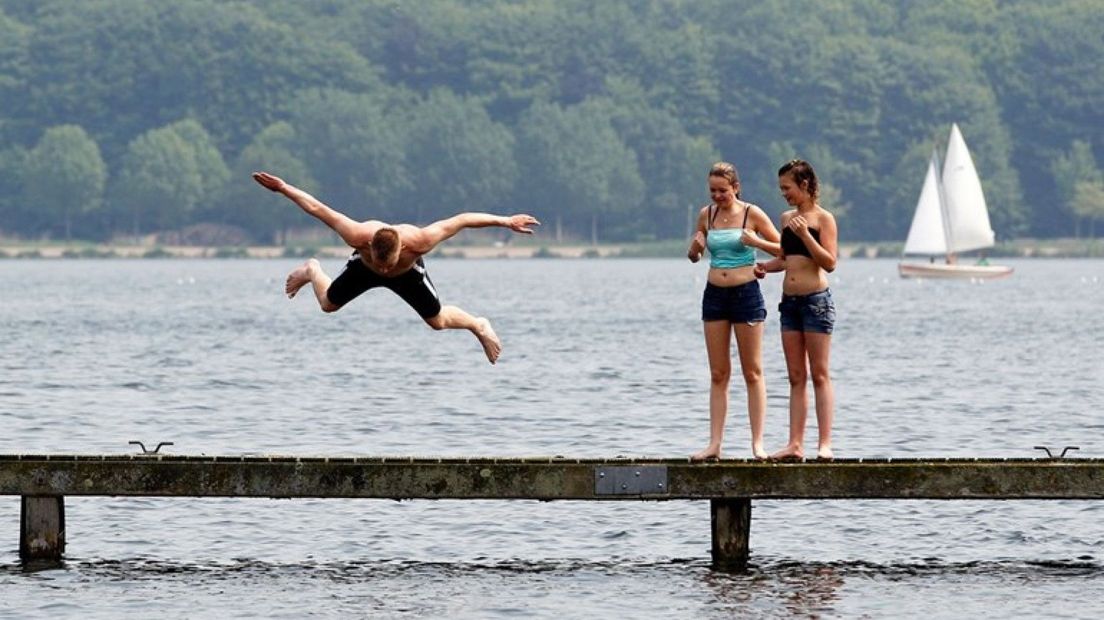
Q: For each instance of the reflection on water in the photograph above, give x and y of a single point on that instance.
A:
(768, 588)
(819, 579)
(804, 589)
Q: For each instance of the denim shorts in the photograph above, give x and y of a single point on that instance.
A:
(737, 304)
(815, 312)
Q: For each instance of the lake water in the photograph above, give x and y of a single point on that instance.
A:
(601, 358)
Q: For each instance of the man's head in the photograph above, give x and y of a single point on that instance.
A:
(384, 249)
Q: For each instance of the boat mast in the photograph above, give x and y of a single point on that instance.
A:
(943, 206)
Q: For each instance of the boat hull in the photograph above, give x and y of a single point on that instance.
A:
(955, 271)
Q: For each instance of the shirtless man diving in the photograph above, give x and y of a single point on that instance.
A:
(391, 256)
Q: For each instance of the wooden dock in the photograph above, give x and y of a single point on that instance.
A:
(43, 481)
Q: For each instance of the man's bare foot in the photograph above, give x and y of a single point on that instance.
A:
(299, 278)
(824, 453)
(710, 453)
(789, 453)
(492, 346)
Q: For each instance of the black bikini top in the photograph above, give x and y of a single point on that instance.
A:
(792, 245)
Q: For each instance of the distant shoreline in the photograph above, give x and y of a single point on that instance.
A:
(62, 251)
(1057, 248)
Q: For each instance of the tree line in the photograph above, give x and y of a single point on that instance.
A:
(126, 117)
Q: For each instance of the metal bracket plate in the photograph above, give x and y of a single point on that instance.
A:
(630, 480)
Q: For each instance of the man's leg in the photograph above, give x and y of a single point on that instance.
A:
(416, 289)
(451, 317)
(332, 295)
(311, 271)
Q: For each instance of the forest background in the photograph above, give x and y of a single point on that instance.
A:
(124, 118)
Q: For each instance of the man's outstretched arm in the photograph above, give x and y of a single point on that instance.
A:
(351, 231)
(441, 230)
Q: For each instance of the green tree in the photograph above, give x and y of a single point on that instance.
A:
(457, 157)
(1074, 171)
(65, 175)
(421, 46)
(208, 159)
(1088, 202)
(166, 174)
(677, 69)
(245, 203)
(126, 66)
(672, 163)
(355, 150)
(14, 71)
(14, 217)
(1051, 86)
(870, 81)
(575, 170)
(511, 66)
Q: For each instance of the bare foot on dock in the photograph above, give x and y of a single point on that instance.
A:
(824, 453)
(711, 453)
(759, 452)
(298, 278)
(492, 346)
(789, 453)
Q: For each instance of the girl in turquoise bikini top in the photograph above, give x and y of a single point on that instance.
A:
(726, 251)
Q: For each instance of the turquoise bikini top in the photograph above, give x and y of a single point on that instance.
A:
(725, 248)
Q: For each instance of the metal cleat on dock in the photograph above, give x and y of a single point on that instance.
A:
(154, 451)
(1062, 455)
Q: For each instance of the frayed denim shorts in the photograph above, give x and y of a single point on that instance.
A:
(815, 312)
(737, 304)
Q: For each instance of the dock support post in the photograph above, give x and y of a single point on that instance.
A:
(731, 524)
(42, 528)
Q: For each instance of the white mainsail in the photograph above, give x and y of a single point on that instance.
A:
(967, 215)
(927, 234)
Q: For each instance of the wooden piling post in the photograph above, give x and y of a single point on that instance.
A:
(731, 525)
(42, 528)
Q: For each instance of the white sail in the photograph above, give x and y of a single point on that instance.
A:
(966, 213)
(926, 234)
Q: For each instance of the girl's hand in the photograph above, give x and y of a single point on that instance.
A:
(749, 239)
(799, 225)
(697, 246)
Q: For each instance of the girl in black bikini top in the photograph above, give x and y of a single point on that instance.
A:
(792, 245)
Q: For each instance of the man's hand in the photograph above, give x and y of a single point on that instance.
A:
(521, 223)
(269, 181)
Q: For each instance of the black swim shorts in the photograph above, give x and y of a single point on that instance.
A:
(413, 286)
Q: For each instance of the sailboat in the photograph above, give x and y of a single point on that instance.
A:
(951, 217)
